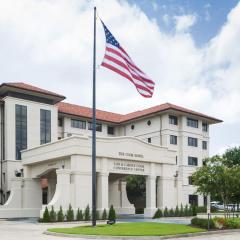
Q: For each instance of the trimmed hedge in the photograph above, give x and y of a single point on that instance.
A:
(203, 223)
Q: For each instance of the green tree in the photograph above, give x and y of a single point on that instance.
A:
(60, 215)
(112, 214)
(181, 212)
(79, 216)
(52, 215)
(87, 216)
(218, 180)
(171, 212)
(231, 157)
(177, 211)
(165, 212)
(46, 217)
(158, 214)
(186, 210)
(70, 214)
(104, 214)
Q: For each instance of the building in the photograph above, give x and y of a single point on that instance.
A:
(46, 153)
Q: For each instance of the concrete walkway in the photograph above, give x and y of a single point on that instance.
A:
(30, 230)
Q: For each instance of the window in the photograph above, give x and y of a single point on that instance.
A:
(173, 139)
(132, 127)
(78, 124)
(110, 130)
(45, 126)
(4, 177)
(205, 127)
(60, 122)
(149, 123)
(192, 161)
(192, 142)
(193, 200)
(192, 122)
(98, 126)
(21, 129)
(173, 120)
(204, 145)
(190, 180)
(149, 140)
(176, 160)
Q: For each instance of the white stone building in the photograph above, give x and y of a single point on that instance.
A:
(46, 153)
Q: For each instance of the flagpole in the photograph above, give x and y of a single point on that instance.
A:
(94, 128)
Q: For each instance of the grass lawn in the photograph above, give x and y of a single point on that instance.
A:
(130, 229)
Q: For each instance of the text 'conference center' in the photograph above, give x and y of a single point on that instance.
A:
(46, 154)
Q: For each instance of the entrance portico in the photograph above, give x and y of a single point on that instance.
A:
(70, 158)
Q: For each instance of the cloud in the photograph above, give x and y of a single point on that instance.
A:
(184, 22)
(49, 43)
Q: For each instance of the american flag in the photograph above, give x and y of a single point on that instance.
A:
(117, 60)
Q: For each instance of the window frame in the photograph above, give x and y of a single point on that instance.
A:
(204, 145)
(110, 132)
(98, 126)
(191, 143)
(205, 127)
(45, 126)
(78, 123)
(192, 161)
(175, 141)
(173, 120)
(191, 122)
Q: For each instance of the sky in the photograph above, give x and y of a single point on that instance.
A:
(190, 48)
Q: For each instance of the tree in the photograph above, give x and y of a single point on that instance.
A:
(52, 215)
(70, 214)
(104, 214)
(46, 217)
(112, 214)
(231, 157)
(79, 216)
(217, 179)
(87, 216)
(60, 216)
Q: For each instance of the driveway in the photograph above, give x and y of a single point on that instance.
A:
(30, 230)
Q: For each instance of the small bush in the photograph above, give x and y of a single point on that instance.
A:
(186, 211)
(194, 210)
(177, 212)
(97, 215)
(79, 216)
(52, 215)
(158, 214)
(46, 217)
(203, 223)
(60, 215)
(232, 223)
(171, 213)
(181, 213)
(104, 214)
(165, 212)
(70, 214)
(87, 216)
(112, 214)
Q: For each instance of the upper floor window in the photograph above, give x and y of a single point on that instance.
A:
(110, 130)
(98, 126)
(190, 180)
(45, 126)
(204, 145)
(193, 161)
(78, 124)
(205, 127)
(173, 139)
(192, 122)
(149, 140)
(192, 142)
(21, 129)
(173, 120)
(60, 122)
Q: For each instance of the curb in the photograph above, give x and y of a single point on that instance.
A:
(140, 237)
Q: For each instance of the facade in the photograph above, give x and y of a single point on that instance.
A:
(46, 153)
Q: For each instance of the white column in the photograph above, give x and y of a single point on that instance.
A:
(150, 196)
(102, 191)
(62, 196)
(166, 193)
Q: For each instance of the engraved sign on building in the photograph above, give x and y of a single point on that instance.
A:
(128, 167)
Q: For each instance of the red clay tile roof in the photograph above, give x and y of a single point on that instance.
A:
(24, 86)
(77, 110)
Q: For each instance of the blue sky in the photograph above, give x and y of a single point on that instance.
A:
(211, 14)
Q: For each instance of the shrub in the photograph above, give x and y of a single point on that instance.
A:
(171, 213)
(201, 209)
(158, 214)
(177, 212)
(220, 223)
(97, 215)
(232, 223)
(112, 214)
(202, 223)
(70, 214)
(60, 216)
(104, 214)
(52, 215)
(46, 217)
(194, 210)
(190, 210)
(165, 213)
(87, 216)
(186, 211)
(79, 216)
(181, 213)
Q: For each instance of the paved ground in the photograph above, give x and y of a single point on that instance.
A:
(30, 230)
